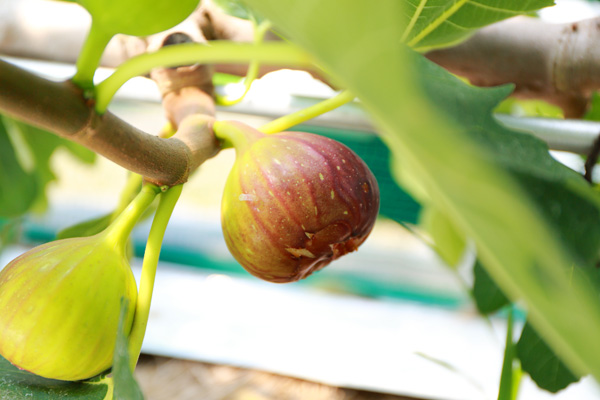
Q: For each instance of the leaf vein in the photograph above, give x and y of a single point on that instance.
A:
(413, 20)
(437, 22)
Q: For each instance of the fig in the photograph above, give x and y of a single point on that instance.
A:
(60, 301)
(293, 201)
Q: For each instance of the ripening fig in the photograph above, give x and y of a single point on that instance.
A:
(61, 301)
(293, 201)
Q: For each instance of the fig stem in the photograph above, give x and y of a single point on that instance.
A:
(149, 265)
(89, 57)
(276, 53)
(120, 229)
(287, 121)
(260, 30)
(235, 134)
(131, 189)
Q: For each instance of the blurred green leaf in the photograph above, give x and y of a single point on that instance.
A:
(239, 9)
(572, 210)
(234, 8)
(83, 154)
(9, 231)
(442, 134)
(487, 295)
(126, 387)
(572, 207)
(18, 187)
(36, 147)
(563, 198)
(529, 108)
(18, 384)
(593, 113)
(86, 228)
(134, 17)
(42, 145)
(448, 241)
(541, 363)
(437, 23)
(220, 79)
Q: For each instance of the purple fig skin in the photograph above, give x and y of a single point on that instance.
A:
(294, 202)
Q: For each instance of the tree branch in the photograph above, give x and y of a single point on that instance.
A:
(60, 107)
(55, 31)
(559, 63)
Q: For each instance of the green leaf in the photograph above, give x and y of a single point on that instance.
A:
(9, 231)
(446, 157)
(36, 147)
(541, 363)
(487, 295)
(593, 113)
(529, 108)
(235, 8)
(18, 187)
(41, 145)
(437, 23)
(126, 387)
(86, 228)
(83, 154)
(138, 18)
(449, 242)
(562, 195)
(18, 384)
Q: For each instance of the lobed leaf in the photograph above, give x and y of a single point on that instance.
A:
(541, 363)
(440, 134)
(438, 23)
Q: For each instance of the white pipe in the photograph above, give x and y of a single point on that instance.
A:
(572, 135)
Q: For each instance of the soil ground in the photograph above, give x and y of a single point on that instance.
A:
(171, 379)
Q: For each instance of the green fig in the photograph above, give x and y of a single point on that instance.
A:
(60, 301)
(293, 201)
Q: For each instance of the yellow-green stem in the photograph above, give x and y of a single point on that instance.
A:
(234, 134)
(286, 122)
(150, 263)
(507, 389)
(89, 57)
(131, 189)
(259, 34)
(120, 229)
(275, 53)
